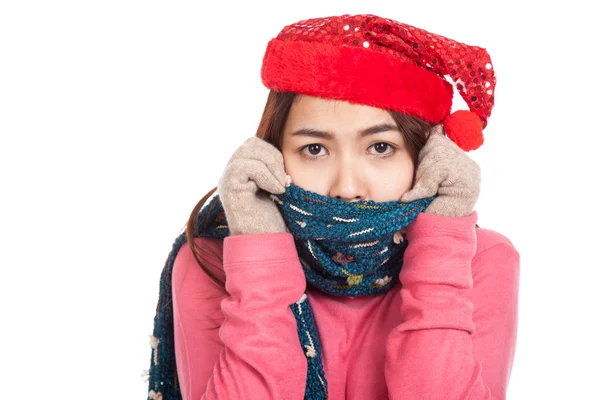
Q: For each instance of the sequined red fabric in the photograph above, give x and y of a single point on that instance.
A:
(469, 67)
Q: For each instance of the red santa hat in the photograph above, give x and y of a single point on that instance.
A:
(366, 59)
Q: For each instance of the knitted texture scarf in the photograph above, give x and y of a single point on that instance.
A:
(345, 249)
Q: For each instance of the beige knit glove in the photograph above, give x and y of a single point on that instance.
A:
(444, 168)
(254, 172)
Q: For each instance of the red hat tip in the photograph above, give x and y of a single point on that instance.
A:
(465, 129)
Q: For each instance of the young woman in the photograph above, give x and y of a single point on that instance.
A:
(341, 258)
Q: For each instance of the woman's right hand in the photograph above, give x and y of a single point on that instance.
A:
(254, 171)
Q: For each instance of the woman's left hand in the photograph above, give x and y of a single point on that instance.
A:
(445, 169)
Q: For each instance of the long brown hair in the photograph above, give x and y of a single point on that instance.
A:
(270, 129)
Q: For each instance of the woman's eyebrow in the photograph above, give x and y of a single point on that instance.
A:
(329, 136)
(378, 129)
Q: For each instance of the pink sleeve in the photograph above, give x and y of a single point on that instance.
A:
(458, 335)
(256, 352)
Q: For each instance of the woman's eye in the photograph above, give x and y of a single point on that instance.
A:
(313, 150)
(316, 150)
(382, 148)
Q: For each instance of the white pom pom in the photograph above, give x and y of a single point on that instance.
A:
(276, 199)
(383, 281)
(154, 341)
(398, 238)
(302, 298)
(310, 351)
(155, 395)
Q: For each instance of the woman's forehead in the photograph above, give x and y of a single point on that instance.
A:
(335, 115)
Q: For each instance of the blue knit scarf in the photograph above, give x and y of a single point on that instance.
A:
(345, 249)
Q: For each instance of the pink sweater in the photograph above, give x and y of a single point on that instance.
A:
(447, 331)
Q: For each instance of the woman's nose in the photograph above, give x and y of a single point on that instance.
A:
(348, 183)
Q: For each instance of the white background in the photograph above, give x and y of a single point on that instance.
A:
(116, 117)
